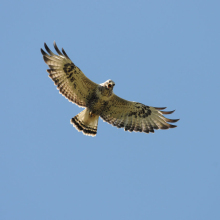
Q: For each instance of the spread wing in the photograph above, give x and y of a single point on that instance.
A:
(70, 80)
(134, 116)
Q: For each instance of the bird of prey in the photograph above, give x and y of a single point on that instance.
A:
(99, 100)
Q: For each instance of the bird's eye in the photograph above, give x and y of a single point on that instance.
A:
(109, 85)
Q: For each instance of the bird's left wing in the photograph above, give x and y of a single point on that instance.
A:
(134, 116)
(70, 80)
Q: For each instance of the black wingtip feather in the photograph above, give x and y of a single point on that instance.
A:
(167, 112)
(48, 49)
(65, 53)
(56, 48)
(172, 120)
(43, 52)
(160, 108)
(172, 126)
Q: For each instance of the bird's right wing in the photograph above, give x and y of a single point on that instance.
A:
(70, 80)
(134, 116)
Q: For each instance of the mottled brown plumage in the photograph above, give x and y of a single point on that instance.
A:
(99, 100)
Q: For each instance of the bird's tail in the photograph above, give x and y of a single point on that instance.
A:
(86, 122)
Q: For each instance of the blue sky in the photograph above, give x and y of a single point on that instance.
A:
(160, 53)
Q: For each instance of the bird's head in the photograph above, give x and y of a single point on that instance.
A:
(109, 84)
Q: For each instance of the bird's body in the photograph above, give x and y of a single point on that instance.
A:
(99, 100)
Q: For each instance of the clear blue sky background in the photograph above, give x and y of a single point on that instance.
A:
(160, 53)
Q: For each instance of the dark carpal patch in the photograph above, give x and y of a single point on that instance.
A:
(72, 79)
(68, 67)
(143, 111)
(69, 75)
(132, 113)
(69, 70)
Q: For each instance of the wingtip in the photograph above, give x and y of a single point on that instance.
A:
(172, 126)
(172, 120)
(167, 112)
(45, 45)
(57, 49)
(160, 108)
(43, 52)
(65, 53)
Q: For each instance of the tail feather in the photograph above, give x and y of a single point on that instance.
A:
(86, 123)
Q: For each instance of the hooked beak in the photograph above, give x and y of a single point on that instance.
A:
(110, 85)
